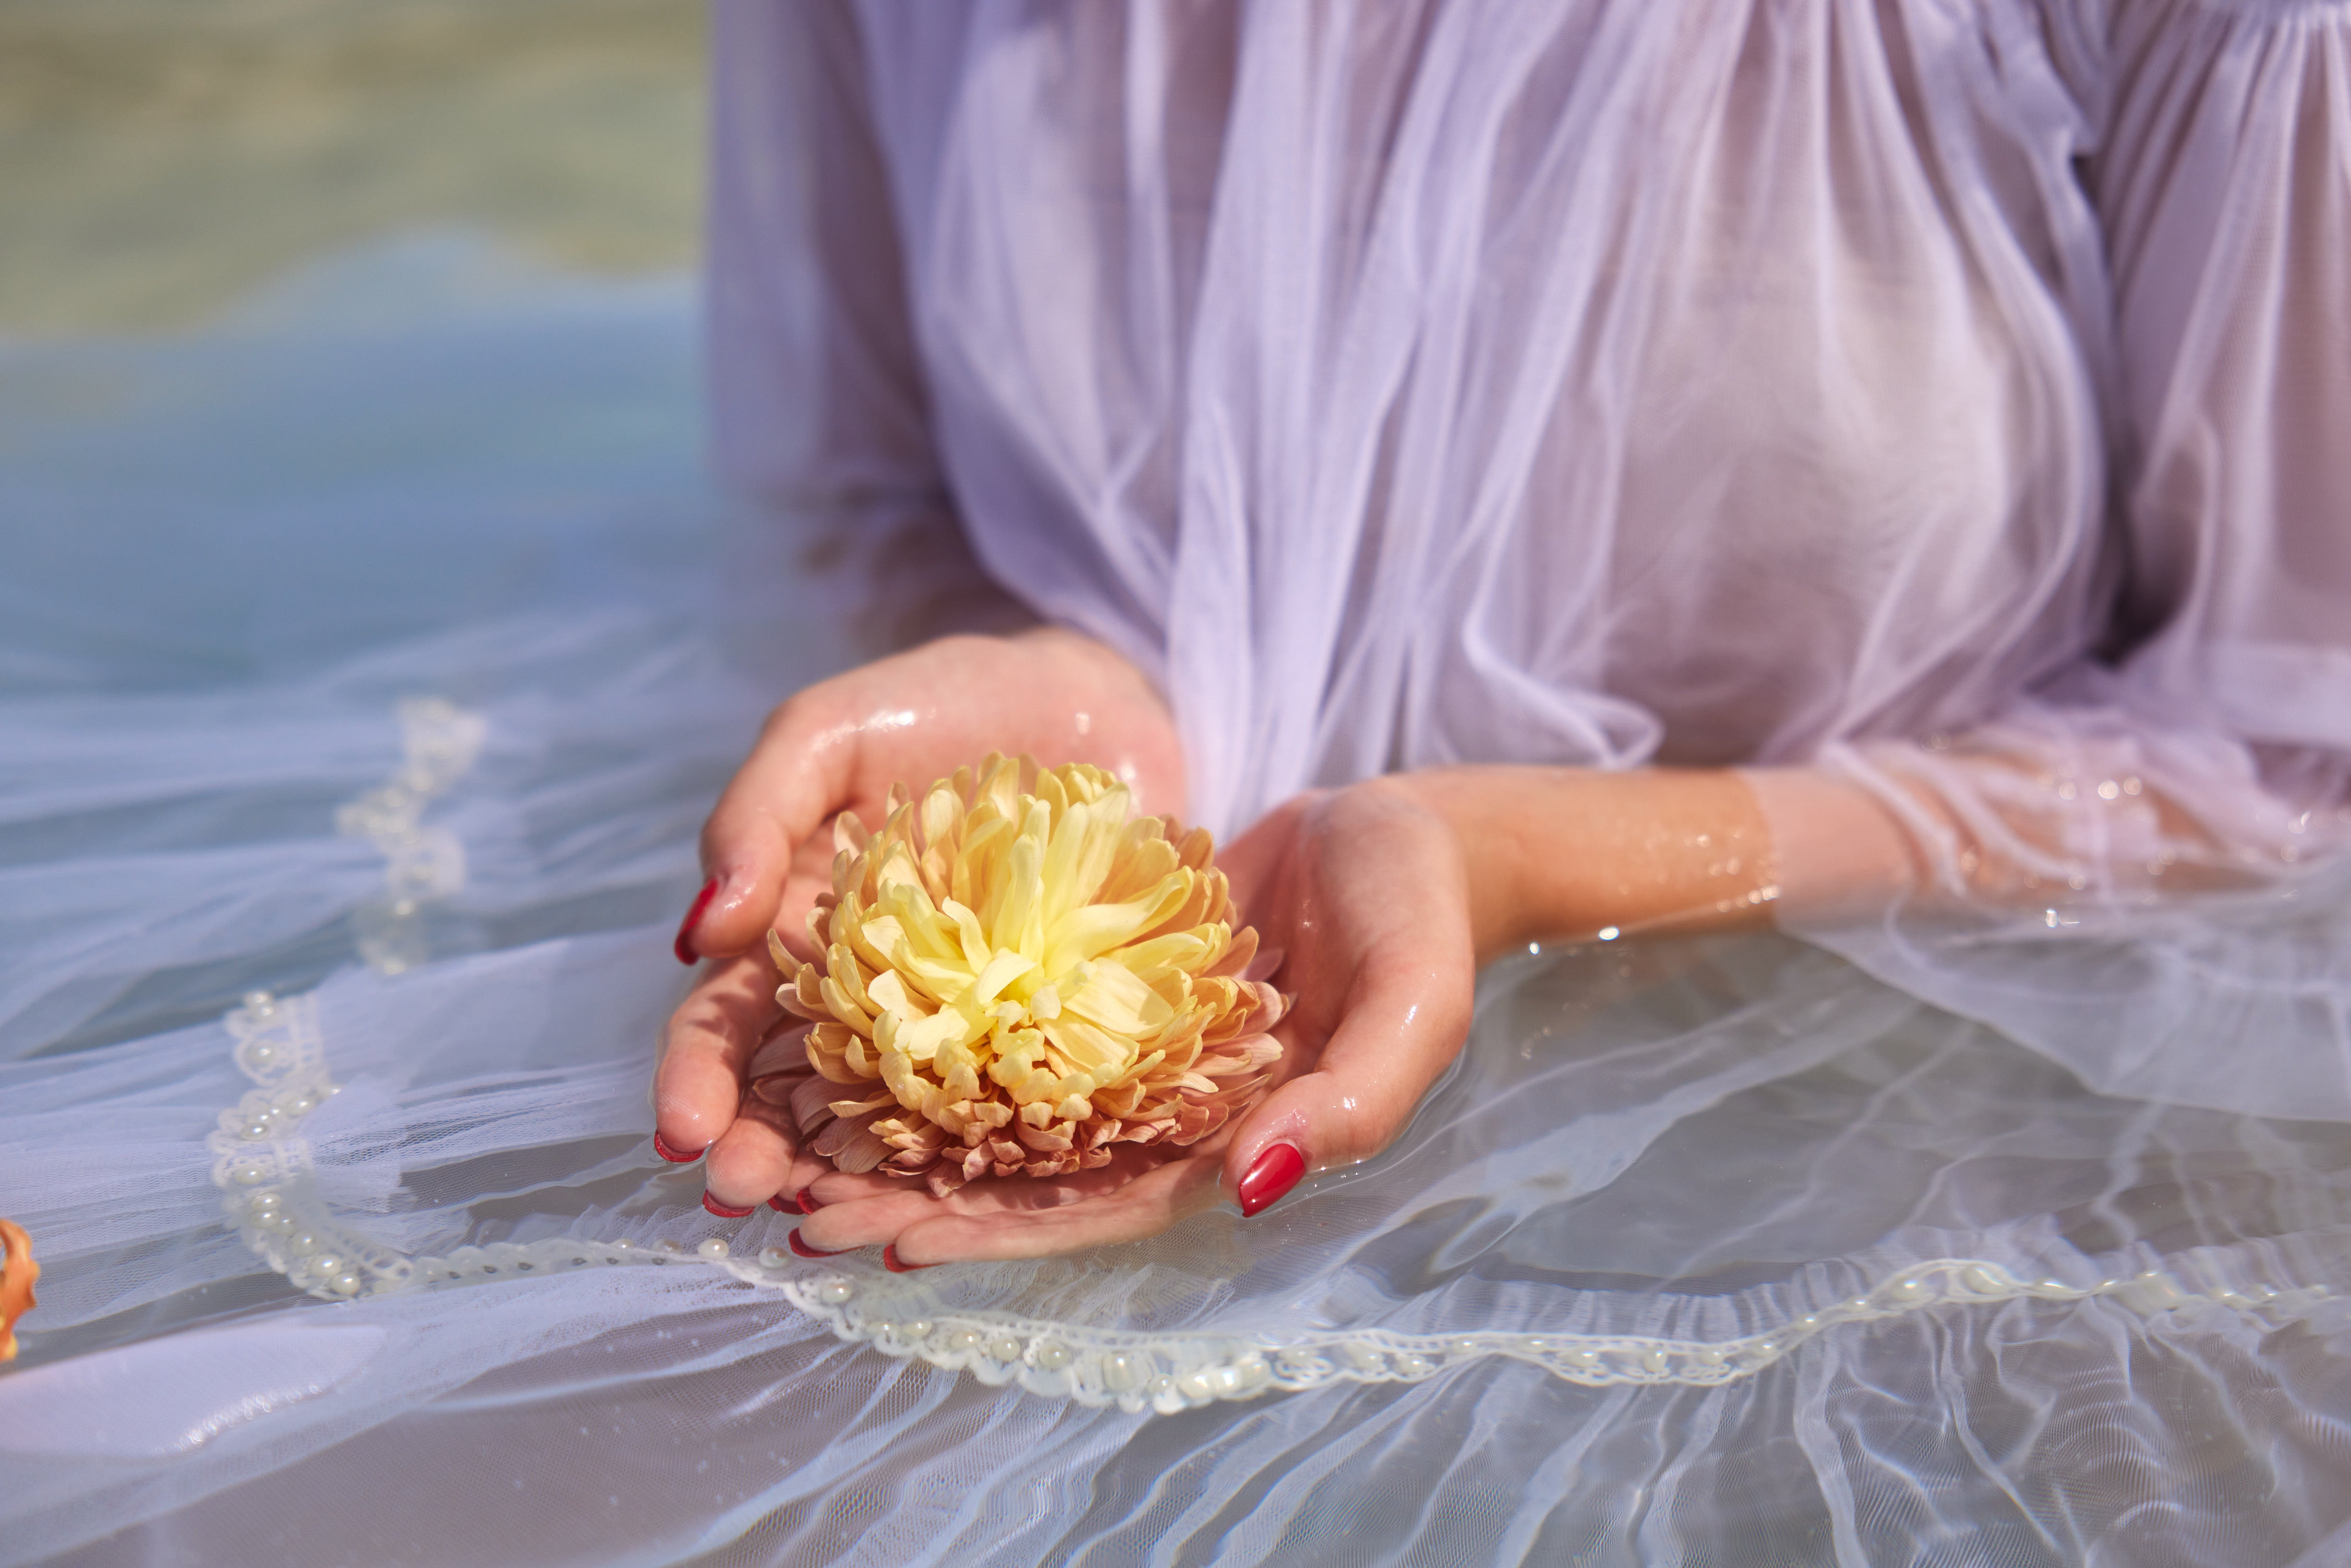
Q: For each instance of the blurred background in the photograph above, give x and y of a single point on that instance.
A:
(327, 324)
(161, 159)
(348, 354)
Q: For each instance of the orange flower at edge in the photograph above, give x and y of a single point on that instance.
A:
(17, 1273)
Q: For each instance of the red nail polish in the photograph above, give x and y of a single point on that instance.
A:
(781, 1205)
(805, 1201)
(683, 946)
(890, 1262)
(721, 1210)
(674, 1156)
(805, 1250)
(1277, 1170)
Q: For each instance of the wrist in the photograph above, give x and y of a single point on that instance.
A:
(1582, 854)
(1485, 809)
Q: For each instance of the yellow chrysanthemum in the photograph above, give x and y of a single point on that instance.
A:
(1019, 973)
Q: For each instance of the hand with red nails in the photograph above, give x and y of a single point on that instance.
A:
(1365, 891)
(767, 848)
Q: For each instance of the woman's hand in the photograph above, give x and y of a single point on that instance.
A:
(1364, 891)
(838, 746)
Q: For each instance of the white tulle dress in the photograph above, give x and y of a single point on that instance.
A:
(1949, 398)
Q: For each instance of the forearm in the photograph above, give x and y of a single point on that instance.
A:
(1578, 855)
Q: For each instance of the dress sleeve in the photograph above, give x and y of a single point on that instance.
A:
(816, 387)
(818, 403)
(2140, 866)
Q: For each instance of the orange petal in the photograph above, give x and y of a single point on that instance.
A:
(17, 1273)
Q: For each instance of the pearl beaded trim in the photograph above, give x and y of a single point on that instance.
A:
(264, 1170)
(439, 745)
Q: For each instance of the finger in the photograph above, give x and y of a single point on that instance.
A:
(1143, 1207)
(707, 1049)
(869, 1208)
(1403, 1022)
(774, 1093)
(811, 875)
(752, 1160)
(798, 774)
(1016, 1218)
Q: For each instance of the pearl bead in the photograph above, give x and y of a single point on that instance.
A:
(347, 1284)
(832, 1293)
(1052, 1357)
(713, 1248)
(1005, 1348)
(1979, 1278)
(919, 1329)
(327, 1264)
(302, 1244)
(773, 1258)
(963, 1340)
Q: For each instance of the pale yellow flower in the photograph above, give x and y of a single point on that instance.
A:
(1019, 973)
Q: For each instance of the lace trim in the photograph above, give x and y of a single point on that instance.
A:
(264, 1169)
(440, 742)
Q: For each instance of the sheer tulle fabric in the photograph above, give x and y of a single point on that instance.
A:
(1944, 401)
(1711, 383)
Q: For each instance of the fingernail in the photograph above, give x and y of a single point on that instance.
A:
(889, 1261)
(683, 946)
(806, 1201)
(783, 1204)
(673, 1156)
(722, 1210)
(1276, 1171)
(805, 1250)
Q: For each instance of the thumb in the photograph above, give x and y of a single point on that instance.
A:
(1403, 1026)
(797, 774)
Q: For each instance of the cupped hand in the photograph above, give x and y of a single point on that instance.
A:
(767, 848)
(1365, 894)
